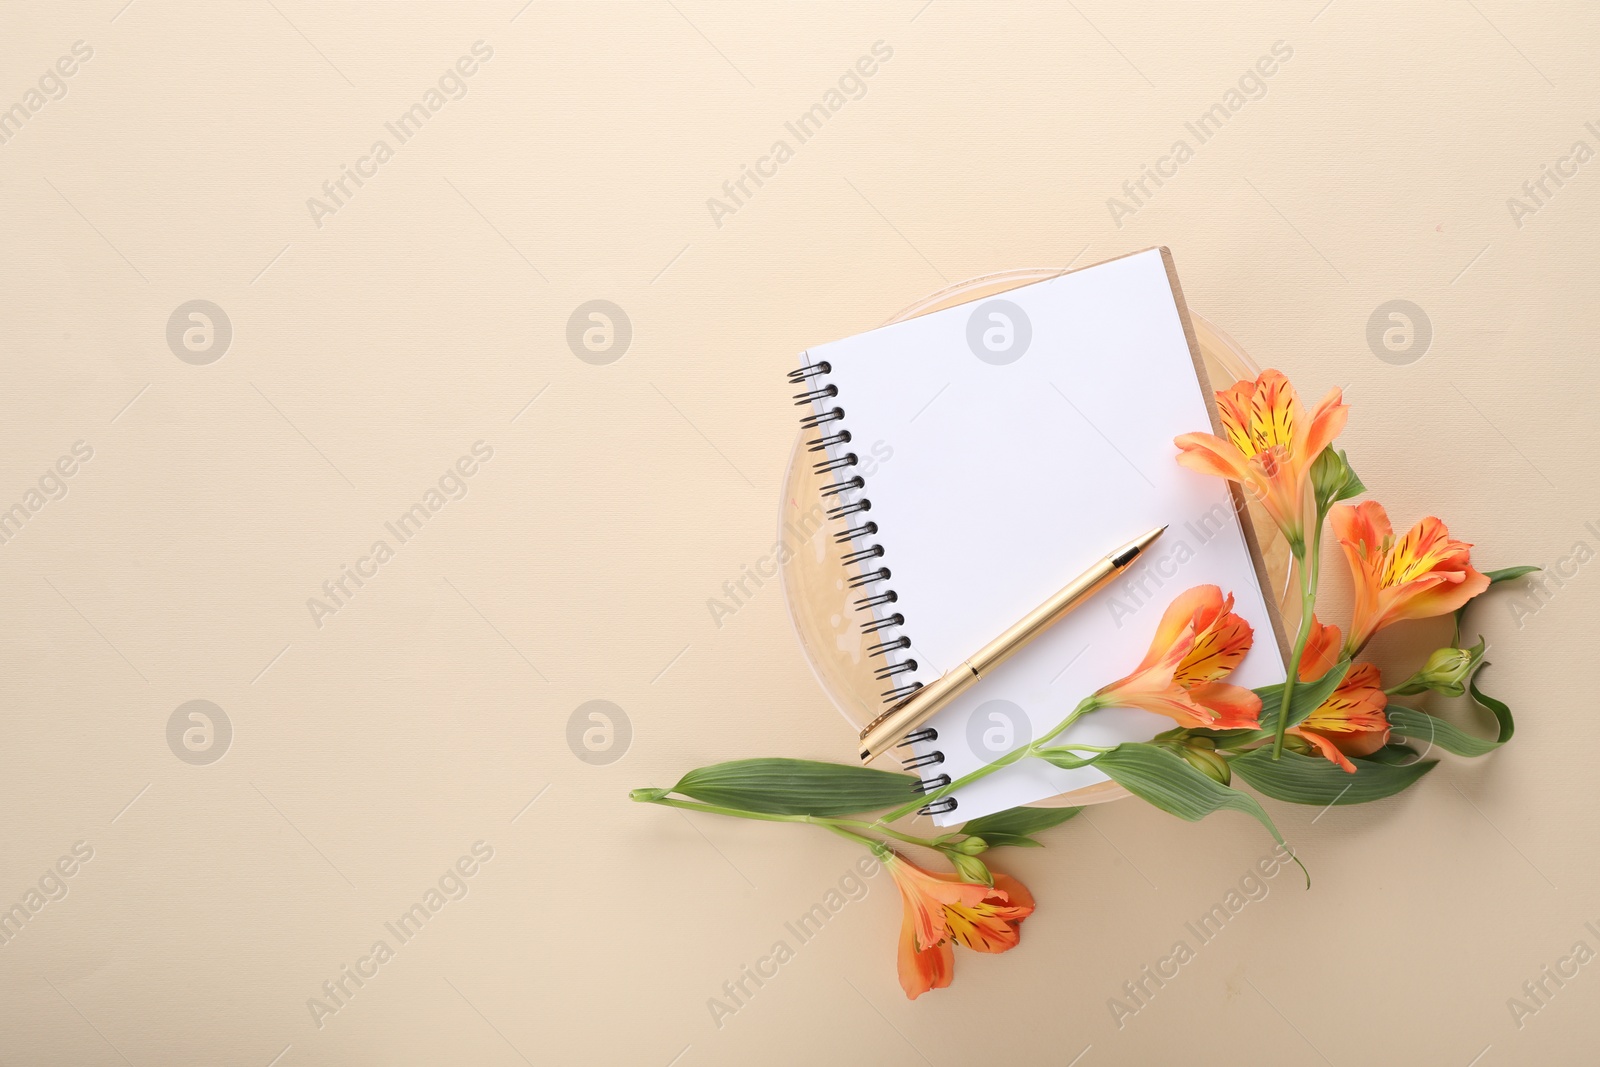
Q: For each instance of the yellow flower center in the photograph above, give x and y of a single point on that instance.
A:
(1263, 421)
(977, 926)
(1410, 558)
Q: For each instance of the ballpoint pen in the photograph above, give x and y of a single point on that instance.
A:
(888, 730)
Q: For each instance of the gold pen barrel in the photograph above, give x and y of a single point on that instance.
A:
(1042, 617)
(887, 730)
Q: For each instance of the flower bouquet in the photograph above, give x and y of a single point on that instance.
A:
(1331, 733)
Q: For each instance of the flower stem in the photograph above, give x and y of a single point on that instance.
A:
(1016, 755)
(875, 845)
(1053, 752)
(909, 839)
(1310, 563)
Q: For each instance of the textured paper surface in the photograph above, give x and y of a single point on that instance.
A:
(368, 355)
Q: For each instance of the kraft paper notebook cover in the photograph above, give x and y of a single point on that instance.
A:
(1032, 433)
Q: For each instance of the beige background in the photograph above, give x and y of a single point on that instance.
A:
(428, 313)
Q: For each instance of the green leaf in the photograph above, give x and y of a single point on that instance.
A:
(797, 787)
(1354, 487)
(1505, 574)
(1308, 697)
(1068, 759)
(1162, 778)
(1395, 754)
(1301, 779)
(1431, 730)
(1498, 708)
(1015, 826)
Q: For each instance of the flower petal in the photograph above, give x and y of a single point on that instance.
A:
(1325, 747)
(924, 897)
(1362, 531)
(1352, 719)
(1327, 419)
(922, 969)
(1194, 609)
(1175, 703)
(1348, 712)
(1274, 411)
(1362, 675)
(1150, 677)
(1282, 485)
(1321, 653)
(1234, 706)
(1365, 525)
(995, 924)
(1210, 454)
(1233, 405)
(1219, 647)
(1016, 893)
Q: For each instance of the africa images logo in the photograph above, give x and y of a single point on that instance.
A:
(999, 332)
(996, 727)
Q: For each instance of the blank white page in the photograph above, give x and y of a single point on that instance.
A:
(1033, 433)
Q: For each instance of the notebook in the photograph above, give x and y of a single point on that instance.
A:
(1032, 433)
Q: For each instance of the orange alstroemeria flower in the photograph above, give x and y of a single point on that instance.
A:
(1271, 444)
(1197, 643)
(1424, 573)
(1351, 722)
(942, 908)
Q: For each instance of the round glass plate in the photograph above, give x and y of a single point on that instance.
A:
(814, 576)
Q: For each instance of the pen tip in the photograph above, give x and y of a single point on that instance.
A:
(1130, 551)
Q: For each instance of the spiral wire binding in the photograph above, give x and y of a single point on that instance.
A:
(828, 421)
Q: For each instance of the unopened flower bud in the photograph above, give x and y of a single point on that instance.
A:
(1446, 671)
(971, 846)
(971, 868)
(1296, 743)
(1209, 764)
(1332, 479)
